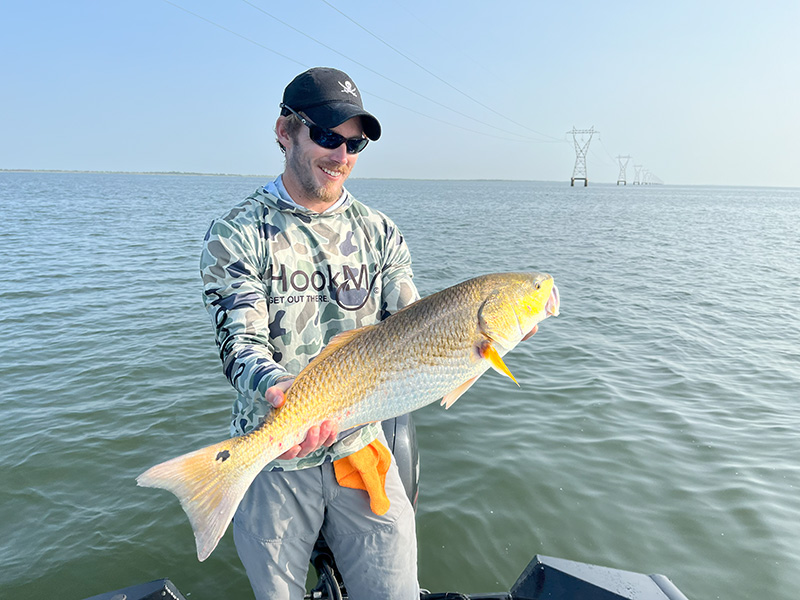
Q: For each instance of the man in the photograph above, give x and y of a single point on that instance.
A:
(296, 263)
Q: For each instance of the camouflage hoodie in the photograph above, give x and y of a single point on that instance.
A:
(280, 281)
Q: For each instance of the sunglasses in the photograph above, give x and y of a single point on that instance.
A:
(329, 139)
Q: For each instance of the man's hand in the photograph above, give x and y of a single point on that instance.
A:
(324, 435)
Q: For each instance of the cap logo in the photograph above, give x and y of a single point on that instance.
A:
(348, 88)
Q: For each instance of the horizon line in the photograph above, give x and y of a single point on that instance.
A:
(254, 175)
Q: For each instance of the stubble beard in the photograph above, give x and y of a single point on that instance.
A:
(304, 174)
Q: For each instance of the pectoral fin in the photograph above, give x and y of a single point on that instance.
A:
(489, 352)
(450, 398)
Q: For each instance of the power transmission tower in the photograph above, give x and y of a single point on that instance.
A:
(581, 146)
(623, 167)
(637, 175)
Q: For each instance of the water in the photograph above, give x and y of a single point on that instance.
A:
(655, 428)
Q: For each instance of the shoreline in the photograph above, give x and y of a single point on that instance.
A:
(82, 172)
(262, 176)
(198, 174)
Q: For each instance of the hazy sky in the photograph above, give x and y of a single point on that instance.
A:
(697, 92)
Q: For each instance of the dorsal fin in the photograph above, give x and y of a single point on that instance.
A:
(340, 339)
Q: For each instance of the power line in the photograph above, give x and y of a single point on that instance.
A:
(520, 138)
(209, 21)
(416, 112)
(613, 161)
(389, 79)
(431, 73)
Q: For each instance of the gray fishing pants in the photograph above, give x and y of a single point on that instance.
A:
(281, 515)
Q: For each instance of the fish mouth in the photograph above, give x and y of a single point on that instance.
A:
(553, 304)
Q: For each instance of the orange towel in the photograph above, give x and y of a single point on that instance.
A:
(366, 470)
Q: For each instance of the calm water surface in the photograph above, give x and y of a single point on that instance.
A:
(655, 428)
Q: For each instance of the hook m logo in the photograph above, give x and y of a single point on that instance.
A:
(350, 288)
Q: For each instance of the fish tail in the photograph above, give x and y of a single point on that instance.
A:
(209, 483)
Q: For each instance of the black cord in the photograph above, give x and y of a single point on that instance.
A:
(334, 591)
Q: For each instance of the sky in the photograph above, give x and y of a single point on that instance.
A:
(696, 92)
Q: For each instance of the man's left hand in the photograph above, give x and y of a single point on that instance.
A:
(317, 436)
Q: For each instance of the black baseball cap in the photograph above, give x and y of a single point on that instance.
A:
(329, 98)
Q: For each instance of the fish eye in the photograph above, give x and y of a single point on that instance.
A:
(537, 285)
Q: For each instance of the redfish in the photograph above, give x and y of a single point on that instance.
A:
(435, 348)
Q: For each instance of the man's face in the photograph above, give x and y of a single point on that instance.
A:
(314, 175)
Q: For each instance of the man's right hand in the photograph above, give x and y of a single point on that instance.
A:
(323, 435)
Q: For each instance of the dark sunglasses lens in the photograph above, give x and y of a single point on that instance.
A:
(356, 146)
(330, 139)
(325, 137)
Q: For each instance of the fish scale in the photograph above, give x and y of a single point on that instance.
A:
(434, 348)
